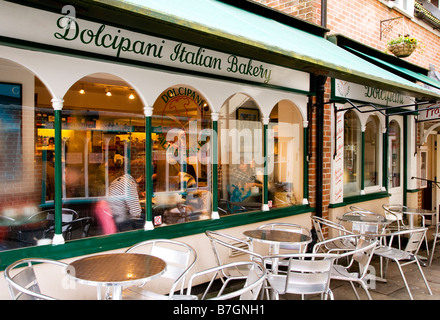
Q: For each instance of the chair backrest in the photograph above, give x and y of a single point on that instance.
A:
(415, 239)
(23, 285)
(226, 245)
(393, 211)
(323, 227)
(179, 257)
(290, 227)
(307, 273)
(248, 289)
(337, 244)
(68, 228)
(362, 255)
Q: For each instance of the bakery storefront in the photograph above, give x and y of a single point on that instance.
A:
(222, 153)
(210, 136)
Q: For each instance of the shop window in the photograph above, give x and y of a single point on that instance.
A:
(181, 134)
(352, 154)
(403, 6)
(394, 154)
(102, 146)
(372, 152)
(240, 169)
(285, 170)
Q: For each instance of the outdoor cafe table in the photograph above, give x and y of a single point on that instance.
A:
(365, 224)
(115, 270)
(412, 212)
(276, 238)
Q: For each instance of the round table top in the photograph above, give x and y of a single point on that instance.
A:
(116, 268)
(364, 219)
(418, 211)
(280, 236)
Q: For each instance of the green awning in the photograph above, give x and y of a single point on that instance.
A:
(281, 43)
(404, 72)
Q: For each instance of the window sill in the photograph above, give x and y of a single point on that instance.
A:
(98, 244)
(360, 198)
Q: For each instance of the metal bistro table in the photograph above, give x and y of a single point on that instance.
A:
(412, 212)
(365, 224)
(115, 270)
(276, 238)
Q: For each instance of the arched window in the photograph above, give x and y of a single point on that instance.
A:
(352, 154)
(394, 153)
(181, 136)
(285, 170)
(240, 169)
(372, 152)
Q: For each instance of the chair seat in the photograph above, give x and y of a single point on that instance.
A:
(394, 253)
(341, 273)
(314, 283)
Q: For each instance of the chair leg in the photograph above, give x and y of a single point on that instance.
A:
(365, 287)
(432, 249)
(354, 290)
(404, 280)
(423, 276)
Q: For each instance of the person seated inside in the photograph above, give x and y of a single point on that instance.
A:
(123, 198)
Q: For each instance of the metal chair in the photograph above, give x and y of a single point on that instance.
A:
(224, 245)
(329, 243)
(243, 288)
(307, 273)
(406, 256)
(23, 285)
(291, 228)
(394, 212)
(362, 255)
(179, 257)
(82, 224)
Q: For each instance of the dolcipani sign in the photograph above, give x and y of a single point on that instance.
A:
(68, 32)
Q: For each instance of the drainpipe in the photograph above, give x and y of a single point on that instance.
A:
(320, 90)
(324, 13)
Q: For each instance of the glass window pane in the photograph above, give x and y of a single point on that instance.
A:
(285, 170)
(394, 154)
(372, 152)
(352, 156)
(240, 169)
(181, 156)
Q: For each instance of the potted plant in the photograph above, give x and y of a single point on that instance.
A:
(403, 46)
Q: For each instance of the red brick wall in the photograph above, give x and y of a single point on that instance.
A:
(361, 21)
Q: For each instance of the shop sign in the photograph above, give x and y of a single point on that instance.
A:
(67, 31)
(345, 89)
(433, 113)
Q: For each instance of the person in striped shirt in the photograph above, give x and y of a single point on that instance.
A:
(124, 199)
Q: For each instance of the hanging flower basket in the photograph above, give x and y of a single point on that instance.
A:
(403, 46)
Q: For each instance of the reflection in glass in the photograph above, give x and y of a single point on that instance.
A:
(181, 136)
(394, 153)
(240, 169)
(352, 156)
(285, 156)
(372, 152)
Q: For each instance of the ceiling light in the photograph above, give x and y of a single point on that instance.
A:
(131, 96)
(108, 93)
